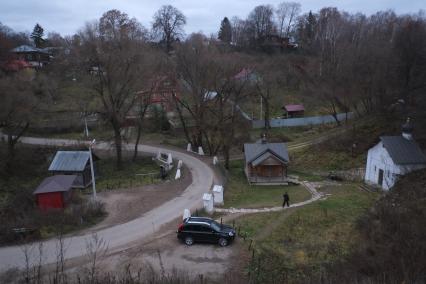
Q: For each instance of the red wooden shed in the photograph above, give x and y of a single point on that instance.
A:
(54, 192)
(294, 110)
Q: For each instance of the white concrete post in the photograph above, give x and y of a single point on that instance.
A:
(158, 155)
(189, 147)
(179, 164)
(200, 151)
(92, 170)
(178, 174)
(218, 194)
(208, 202)
(186, 214)
(215, 160)
(169, 159)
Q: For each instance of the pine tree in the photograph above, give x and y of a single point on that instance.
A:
(310, 27)
(225, 32)
(37, 36)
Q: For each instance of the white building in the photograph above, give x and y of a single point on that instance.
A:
(393, 157)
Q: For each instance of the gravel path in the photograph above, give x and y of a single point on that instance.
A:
(309, 186)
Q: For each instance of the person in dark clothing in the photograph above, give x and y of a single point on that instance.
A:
(286, 200)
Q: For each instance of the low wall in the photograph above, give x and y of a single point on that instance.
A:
(302, 121)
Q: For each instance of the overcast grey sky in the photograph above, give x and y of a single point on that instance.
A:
(67, 16)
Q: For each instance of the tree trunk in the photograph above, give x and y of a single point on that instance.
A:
(226, 156)
(11, 142)
(138, 137)
(182, 119)
(118, 145)
(267, 115)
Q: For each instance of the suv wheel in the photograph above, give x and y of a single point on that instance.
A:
(223, 242)
(189, 241)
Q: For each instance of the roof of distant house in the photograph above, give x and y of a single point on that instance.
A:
(244, 73)
(291, 108)
(70, 161)
(403, 151)
(255, 153)
(27, 48)
(57, 183)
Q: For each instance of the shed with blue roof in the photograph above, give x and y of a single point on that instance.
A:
(73, 163)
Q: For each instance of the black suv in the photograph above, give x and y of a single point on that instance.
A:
(202, 229)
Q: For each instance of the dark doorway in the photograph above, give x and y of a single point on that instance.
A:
(380, 177)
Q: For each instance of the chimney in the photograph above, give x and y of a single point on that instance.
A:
(264, 140)
(407, 130)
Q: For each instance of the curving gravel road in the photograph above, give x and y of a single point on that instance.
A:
(120, 236)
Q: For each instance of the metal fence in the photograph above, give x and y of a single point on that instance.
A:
(302, 121)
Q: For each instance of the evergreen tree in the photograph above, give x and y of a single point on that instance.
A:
(310, 27)
(37, 35)
(225, 32)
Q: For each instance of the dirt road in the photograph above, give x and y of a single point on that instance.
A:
(119, 237)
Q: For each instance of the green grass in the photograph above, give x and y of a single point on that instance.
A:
(111, 178)
(239, 194)
(312, 236)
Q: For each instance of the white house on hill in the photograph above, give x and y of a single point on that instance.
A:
(393, 157)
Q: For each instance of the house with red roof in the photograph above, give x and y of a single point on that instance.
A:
(292, 111)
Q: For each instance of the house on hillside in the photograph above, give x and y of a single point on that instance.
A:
(55, 192)
(36, 57)
(393, 157)
(73, 163)
(161, 93)
(292, 111)
(266, 162)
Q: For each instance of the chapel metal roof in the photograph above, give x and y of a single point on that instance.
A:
(70, 161)
(254, 151)
(403, 151)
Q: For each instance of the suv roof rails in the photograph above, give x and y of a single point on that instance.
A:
(199, 219)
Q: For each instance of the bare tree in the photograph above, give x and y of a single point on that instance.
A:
(114, 52)
(16, 110)
(96, 249)
(410, 51)
(168, 25)
(239, 29)
(261, 22)
(286, 14)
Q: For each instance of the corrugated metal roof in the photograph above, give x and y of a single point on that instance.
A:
(403, 151)
(57, 183)
(70, 161)
(255, 150)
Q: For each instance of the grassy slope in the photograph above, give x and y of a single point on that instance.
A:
(312, 236)
(239, 194)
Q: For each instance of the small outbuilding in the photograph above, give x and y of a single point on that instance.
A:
(73, 163)
(266, 162)
(55, 192)
(292, 111)
(393, 157)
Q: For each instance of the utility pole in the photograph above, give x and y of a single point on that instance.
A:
(86, 129)
(261, 107)
(91, 169)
